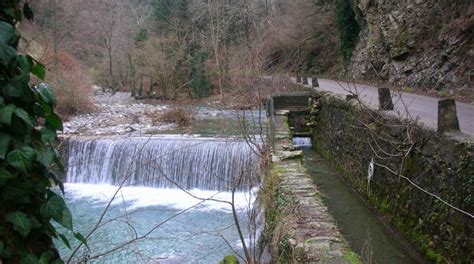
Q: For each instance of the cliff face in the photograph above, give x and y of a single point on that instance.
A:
(423, 44)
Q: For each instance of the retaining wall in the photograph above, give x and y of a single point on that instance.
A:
(299, 228)
(349, 136)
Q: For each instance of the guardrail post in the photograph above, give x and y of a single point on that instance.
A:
(447, 116)
(314, 82)
(385, 99)
(305, 80)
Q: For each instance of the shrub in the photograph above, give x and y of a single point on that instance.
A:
(348, 27)
(200, 84)
(71, 84)
(180, 116)
(73, 92)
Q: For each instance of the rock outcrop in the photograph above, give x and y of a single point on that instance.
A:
(423, 44)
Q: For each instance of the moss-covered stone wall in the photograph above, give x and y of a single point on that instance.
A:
(349, 136)
(299, 227)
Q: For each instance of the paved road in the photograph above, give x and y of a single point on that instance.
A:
(423, 107)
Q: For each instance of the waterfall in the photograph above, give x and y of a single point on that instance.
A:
(302, 141)
(165, 162)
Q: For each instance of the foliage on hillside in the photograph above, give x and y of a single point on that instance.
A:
(175, 49)
(190, 46)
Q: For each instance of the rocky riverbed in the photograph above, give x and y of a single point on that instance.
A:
(117, 114)
(121, 114)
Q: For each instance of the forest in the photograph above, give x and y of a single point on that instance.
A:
(194, 49)
(180, 49)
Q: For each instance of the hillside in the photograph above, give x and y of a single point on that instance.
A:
(181, 49)
(426, 45)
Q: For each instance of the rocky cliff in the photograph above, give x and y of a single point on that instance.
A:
(422, 44)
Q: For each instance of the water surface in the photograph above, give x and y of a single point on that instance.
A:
(366, 235)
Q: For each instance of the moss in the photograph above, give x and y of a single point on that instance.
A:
(442, 93)
(229, 260)
(286, 125)
(339, 167)
(423, 242)
(408, 227)
(411, 167)
(382, 205)
(402, 39)
(435, 256)
(352, 257)
(285, 250)
(270, 195)
(371, 26)
(407, 89)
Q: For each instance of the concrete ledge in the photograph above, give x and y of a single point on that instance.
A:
(295, 101)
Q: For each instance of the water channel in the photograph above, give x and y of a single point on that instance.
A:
(366, 235)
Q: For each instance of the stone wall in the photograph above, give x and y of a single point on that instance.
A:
(299, 227)
(294, 101)
(350, 136)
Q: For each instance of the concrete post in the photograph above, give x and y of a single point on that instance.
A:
(385, 99)
(315, 82)
(447, 116)
(305, 80)
(298, 78)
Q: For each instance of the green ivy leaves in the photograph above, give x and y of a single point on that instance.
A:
(21, 222)
(21, 158)
(27, 11)
(39, 70)
(28, 126)
(56, 209)
(47, 101)
(6, 113)
(46, 94)
(7, 32)
(5, 176)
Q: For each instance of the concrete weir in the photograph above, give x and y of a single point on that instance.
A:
(300, 228)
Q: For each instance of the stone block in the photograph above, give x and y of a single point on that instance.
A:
(351, 97)
(298, 79)
(447, 116)
(385, 99)
(315, 82)
(305, 80)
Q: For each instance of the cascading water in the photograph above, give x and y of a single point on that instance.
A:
(302, 141)
(189, 163)
(153, 170)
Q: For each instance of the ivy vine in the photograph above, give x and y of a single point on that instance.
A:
(28, 126)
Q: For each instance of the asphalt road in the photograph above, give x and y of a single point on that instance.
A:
(425, 108)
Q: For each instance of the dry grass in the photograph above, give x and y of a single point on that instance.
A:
(180, 116)
(71, 84)
(73, 92)
(250, 85)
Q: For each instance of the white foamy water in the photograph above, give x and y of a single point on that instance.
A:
(162, 162)
(140, 197)
(302, 141)
(205, 167)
